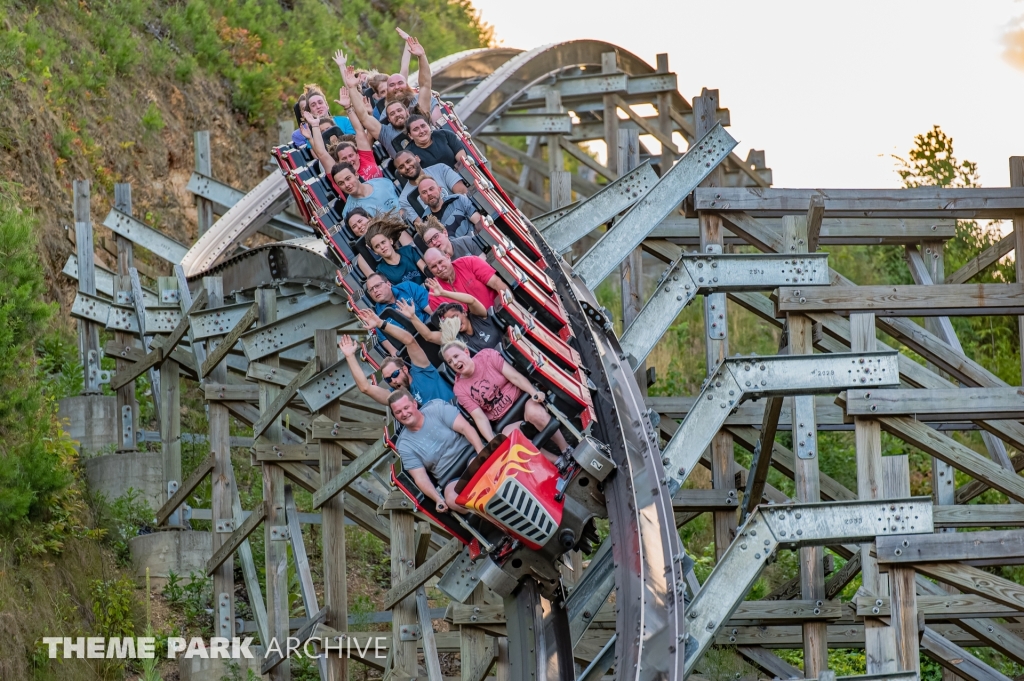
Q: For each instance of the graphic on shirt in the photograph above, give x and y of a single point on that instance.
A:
(489, 397)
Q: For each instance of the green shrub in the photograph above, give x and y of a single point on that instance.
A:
(152, 120)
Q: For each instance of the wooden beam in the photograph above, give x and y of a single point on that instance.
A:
(979, 515)
(302, 635)
(984, 203)
(956, 659)
(215, 356)
(936, 405)
(937, 300)
(162, 347)
(305, 476)
(976, 581)
(187, 487)
(234, 392)
(996, 635)
(278, 453)
(947, 546)
(240, 534)
(952, 452)
(353, 470)
(424, 572)
(581, 185)
(769, 662)
(587, 160)
(274, 409)
(645, 126)
(983, 260)
(949, 606)
(815, 213)
(703, 500)
(327, 429)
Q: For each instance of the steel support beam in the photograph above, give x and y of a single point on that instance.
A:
(745, 377)
(627, 233)
(791, 527)
(697, 273)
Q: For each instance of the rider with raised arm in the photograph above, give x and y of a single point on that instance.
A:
(420, 377)
(396, 109)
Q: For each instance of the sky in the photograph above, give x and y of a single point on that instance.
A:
(829, 90)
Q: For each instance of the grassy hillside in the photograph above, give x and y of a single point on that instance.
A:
(112, 91)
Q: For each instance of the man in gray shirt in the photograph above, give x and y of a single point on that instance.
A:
(435, 437)
(409, 170)
(457, 213)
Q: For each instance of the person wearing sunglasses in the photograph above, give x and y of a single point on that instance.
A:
(434, 235)
(417, 376)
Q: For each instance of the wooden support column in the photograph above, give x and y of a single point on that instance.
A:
(204, 165)
(631, 271)
(275, 524)
(222, 481)
(88, 332)
(806, 474)
(665, 123)
(169, 406)
(943, 474)
(403, 614)
(879, 638)
(526, 176)
(716, 321)
(553, 104)
(609, 64)
(128, 426)
(475, 645)
(896, 485)
(1017, 180)
(332, 461)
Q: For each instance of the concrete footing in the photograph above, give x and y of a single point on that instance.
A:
(112, 475)
(180, 552)
(90, 419)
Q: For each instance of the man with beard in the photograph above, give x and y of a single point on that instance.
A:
(409, 170)
(457, 213)
(417, 376)
(397, 107)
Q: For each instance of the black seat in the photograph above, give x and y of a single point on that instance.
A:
(512, 415)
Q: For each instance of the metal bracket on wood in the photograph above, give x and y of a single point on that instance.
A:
(791, 526)
(279, 533)
(410, 632)
(224, 615)
(742, 378)
(127, 429)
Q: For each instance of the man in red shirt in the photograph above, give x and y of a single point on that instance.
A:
(466, 275)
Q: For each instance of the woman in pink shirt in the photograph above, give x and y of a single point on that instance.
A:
(487, 386)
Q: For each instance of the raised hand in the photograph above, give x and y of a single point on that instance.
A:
(349, 75)
(415, 49)
(405, 308)
(433, 287)
(403, 34)
(304, 129)
(343, 98)
(348, 346)
(310, 118)
(369, 319)
(340, 59)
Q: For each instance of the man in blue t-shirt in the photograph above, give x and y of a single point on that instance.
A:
(417, 376)
(386, 295)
